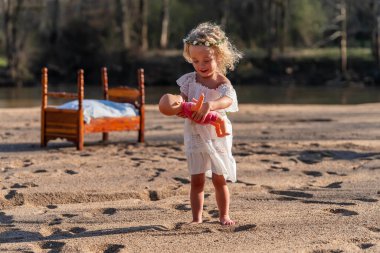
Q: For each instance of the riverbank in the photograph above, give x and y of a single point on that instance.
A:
(301, 67)
(307, 182)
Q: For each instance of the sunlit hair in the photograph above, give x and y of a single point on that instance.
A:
(211, 35)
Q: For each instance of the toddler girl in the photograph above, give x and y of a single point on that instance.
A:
(211, 53)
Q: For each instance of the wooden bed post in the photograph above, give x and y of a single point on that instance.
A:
(80, 136)
(105, 94)
(141, 80)
(44, 82)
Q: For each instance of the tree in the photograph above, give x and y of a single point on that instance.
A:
(13, 45)
(343, 38)
(124, 21)
(165, 24)
(144, 44)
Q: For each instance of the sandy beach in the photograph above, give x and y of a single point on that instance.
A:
(308, 181)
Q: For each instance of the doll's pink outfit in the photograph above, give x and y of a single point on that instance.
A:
(186, 109)
(205, 151)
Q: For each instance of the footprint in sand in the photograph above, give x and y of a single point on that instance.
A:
(243, 154)
(11, 194)
(110, 211)
(77, 230)
(157, 174)
(312, 173)
(53, 245)
(296, 194)
(137, 159)
(334, 185)
(335, 173)
(182, 180)
(183, 207)
(27, 163)
(6, 219)
(114, 248)
(284, 169)
(69, 215)
(17, 185)
(369, 200)
(374, 229)
(71, 172)
(55, 231)
(178, 158)
(343, 212)
(213, 213)
(366, 245)
(40, 171)
(241, 228)
(153, 195)
(56, 221)
(24, 185)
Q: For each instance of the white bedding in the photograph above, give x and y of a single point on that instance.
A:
(102, 109)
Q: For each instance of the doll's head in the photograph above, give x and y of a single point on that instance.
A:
(212, 36)
(170, 104)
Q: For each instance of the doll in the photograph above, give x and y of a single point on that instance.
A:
(173, 104)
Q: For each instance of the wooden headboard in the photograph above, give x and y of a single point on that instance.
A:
(124, 94)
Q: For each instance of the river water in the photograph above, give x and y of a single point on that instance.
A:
(12, 97)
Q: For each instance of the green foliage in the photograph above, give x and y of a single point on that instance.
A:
(79, 46)
(331, 53)
(3, 61)
(88, 34)
(307, 21)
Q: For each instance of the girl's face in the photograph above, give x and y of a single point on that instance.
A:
(204, 60)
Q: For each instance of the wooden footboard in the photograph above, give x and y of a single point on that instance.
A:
(62, 123)
(69, 124)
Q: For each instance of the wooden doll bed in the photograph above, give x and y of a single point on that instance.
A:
(69, 123)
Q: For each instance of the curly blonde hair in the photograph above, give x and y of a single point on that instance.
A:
(211, 35)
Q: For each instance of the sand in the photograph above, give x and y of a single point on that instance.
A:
(308, 181)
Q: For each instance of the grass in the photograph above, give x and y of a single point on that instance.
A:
(317, 53)
(3, 61)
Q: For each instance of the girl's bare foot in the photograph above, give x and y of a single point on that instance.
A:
(226, 221)
(194, 222)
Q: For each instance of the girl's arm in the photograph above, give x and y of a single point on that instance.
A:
(220, 103)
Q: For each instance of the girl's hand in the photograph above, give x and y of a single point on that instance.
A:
(199, 116)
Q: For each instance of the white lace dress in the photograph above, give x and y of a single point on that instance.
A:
(205, 151)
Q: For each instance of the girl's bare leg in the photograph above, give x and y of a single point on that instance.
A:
(197, 196)
(222, 199)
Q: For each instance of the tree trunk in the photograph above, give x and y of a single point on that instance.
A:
(165, 24)
(124, 21)
(225, 13)
(11, 10)
(271, 30)
(378, 40)
(376, 32)
(343, 40)
(284, 25)
(54, 32)
(144, 25)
